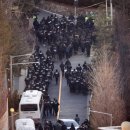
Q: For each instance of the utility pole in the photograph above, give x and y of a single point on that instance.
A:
(107, 11)
(111, 10)
(75, 10)
(11, 78)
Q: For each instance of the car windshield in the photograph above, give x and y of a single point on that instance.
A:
(68, 123)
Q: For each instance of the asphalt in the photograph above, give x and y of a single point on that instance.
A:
(70, 103)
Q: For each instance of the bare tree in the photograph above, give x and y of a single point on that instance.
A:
(3, 91)
(122, 37)
(14, 39)
(5, 36)
(107, 89)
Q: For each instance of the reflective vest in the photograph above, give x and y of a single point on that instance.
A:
(86, 18)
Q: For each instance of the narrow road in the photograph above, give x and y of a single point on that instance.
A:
(70, 103)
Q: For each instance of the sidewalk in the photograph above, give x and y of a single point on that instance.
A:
(19, 83)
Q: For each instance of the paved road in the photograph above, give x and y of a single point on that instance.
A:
(45, 13)
(70, 103)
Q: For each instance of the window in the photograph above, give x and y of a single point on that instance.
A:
(29, 107)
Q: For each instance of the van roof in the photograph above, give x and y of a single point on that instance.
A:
(31, 97)
(26, 124)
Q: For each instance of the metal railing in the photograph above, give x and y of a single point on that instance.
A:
(14, 117)
(110, 128)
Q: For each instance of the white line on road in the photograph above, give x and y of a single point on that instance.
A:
(59, 98)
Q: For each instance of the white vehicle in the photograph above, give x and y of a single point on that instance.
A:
(31, 105)
(67, 122)
(25, 124)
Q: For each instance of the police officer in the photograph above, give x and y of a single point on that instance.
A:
(63, 127)
(77, 119)
(72, 127)
(36, 23)
(85, 66)
(62, 66)
(56, 75)
(48, 53)
(56, 105)
(27, 82)
(79, 68)
(40, 127)
(71, 85)
(67, 63)
(88, 47)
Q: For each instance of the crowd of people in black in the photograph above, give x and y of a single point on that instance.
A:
(76, 78)
(48, 125)
(39, 76)
(65, 37)
(50, 107)
(85, 125)
(40, 72)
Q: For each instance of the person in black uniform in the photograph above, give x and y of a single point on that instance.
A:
(72, 127)
(85, 67)
(36, 24)
(56, 106)
(56, 75)
(79, 68)
(64, 127)
(40, 127)
(62, 66)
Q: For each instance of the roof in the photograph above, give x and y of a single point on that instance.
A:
(31, 97)
(24, 124)
(67, 119)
